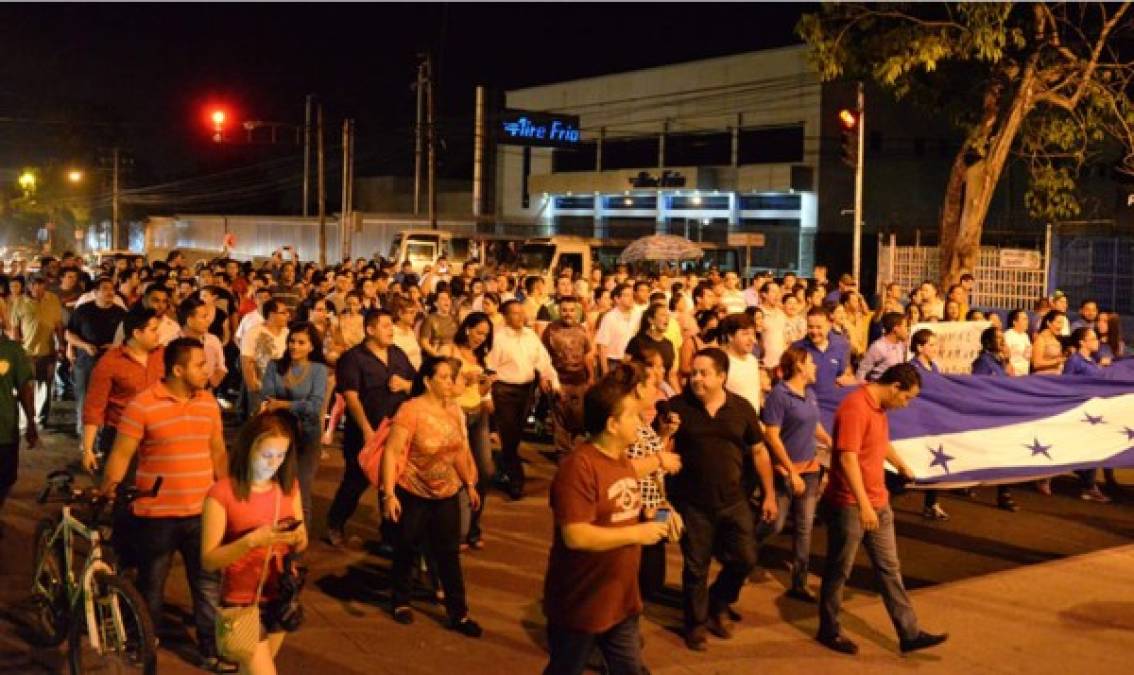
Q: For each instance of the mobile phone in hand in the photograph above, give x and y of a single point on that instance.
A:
(661, 515)
(290, 525)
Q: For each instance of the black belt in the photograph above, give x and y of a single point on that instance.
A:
(509, 384)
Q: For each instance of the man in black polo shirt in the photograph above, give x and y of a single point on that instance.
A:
(722, 456)
(374, 378)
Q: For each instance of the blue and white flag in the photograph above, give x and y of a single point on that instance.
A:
(970, 429)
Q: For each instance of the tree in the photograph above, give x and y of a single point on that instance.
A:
(1043, 82)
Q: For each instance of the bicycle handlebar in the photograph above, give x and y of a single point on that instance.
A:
(60, 482)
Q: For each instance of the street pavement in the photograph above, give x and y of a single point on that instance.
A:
(1045, 590)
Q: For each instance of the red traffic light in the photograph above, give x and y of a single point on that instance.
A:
(848, 118)
(218, 117)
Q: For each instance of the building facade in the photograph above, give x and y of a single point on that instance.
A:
(706, 149)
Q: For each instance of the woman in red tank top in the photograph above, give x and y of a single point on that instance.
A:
(237, 530)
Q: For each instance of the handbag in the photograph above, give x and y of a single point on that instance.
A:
(238, 629)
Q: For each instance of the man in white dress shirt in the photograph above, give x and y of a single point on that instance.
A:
(617, 327)
(518, 358)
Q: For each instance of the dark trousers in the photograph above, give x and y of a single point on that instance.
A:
(567, 412)
(511, 401)
(433, 525)
(9, 467)
(351, 488)
(310, 447)
(728, 531)
(43, 368)
(156, 540)
(651, 570)
(844, 534)
(620, 646)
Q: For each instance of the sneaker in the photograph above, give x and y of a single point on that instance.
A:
(923, 641)
(403, 615)
(467, 627)
(719, 626)
(334, 537)
(802, 594)
(1007, 504)
(839, 643)
(935, 512)
(1094, 495)
(215, 664)
(696, 640)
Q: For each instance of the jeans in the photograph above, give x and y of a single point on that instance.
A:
(651, 570)
(511, 401)
(351, 489)
(433, 524)
(477, 424)
(802, 510)
(728, 531)
(620, 646)
(843, 537)
(156, 540)
(81, 374)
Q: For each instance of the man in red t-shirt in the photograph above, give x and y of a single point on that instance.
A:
(858, 508)
(591, 589)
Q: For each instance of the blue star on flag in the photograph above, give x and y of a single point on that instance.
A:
(1038, 449)
(1091, 419)
(940, 458)
(1129, 433)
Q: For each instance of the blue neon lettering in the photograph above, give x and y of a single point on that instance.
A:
(524, 128)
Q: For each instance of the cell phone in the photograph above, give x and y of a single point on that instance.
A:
(290, 525)
(662, 515)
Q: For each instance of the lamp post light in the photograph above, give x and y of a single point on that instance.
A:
(27, 181)
(75, 176)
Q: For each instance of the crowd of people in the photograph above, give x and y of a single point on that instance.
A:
(683, 407)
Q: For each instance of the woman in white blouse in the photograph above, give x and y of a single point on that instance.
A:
(1019, 344)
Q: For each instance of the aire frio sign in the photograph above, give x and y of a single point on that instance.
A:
(525, 127)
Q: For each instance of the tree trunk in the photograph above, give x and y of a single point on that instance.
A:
(970, 189)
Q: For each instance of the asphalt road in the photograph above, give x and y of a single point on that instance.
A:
(348, 628)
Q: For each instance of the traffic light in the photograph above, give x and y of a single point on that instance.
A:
(848, 126)
(218, 117)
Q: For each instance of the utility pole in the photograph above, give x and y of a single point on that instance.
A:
(432, 142)
(417, 140)
(858, 170)
(114, 203)
(478, 155)
(322, 161)
(307, 156)
(348, 188)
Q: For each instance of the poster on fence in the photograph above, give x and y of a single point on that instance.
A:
(958, 343)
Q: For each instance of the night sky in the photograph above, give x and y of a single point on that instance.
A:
(78, 79)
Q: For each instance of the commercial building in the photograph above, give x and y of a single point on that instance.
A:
(710, 150)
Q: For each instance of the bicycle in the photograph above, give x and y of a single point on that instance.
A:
(92, 604)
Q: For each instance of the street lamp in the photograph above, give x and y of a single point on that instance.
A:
(27, 181)
(75, 176)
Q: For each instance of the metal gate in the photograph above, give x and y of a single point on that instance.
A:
(997, 286)
(1099, 267)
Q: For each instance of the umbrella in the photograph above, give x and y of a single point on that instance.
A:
(663, 247)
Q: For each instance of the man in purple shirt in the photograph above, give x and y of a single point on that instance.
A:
(830, 351)
(888, 350)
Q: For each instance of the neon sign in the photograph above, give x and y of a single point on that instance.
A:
(523, 127)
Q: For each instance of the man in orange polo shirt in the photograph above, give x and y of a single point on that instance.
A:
(175, 429)
(858, 508)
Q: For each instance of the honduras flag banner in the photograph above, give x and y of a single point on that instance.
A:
(966, 430)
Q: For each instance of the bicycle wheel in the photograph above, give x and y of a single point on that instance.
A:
(51, 613)
(123, 626)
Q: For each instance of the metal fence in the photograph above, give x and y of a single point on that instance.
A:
(1096, 266)
(998, 286)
